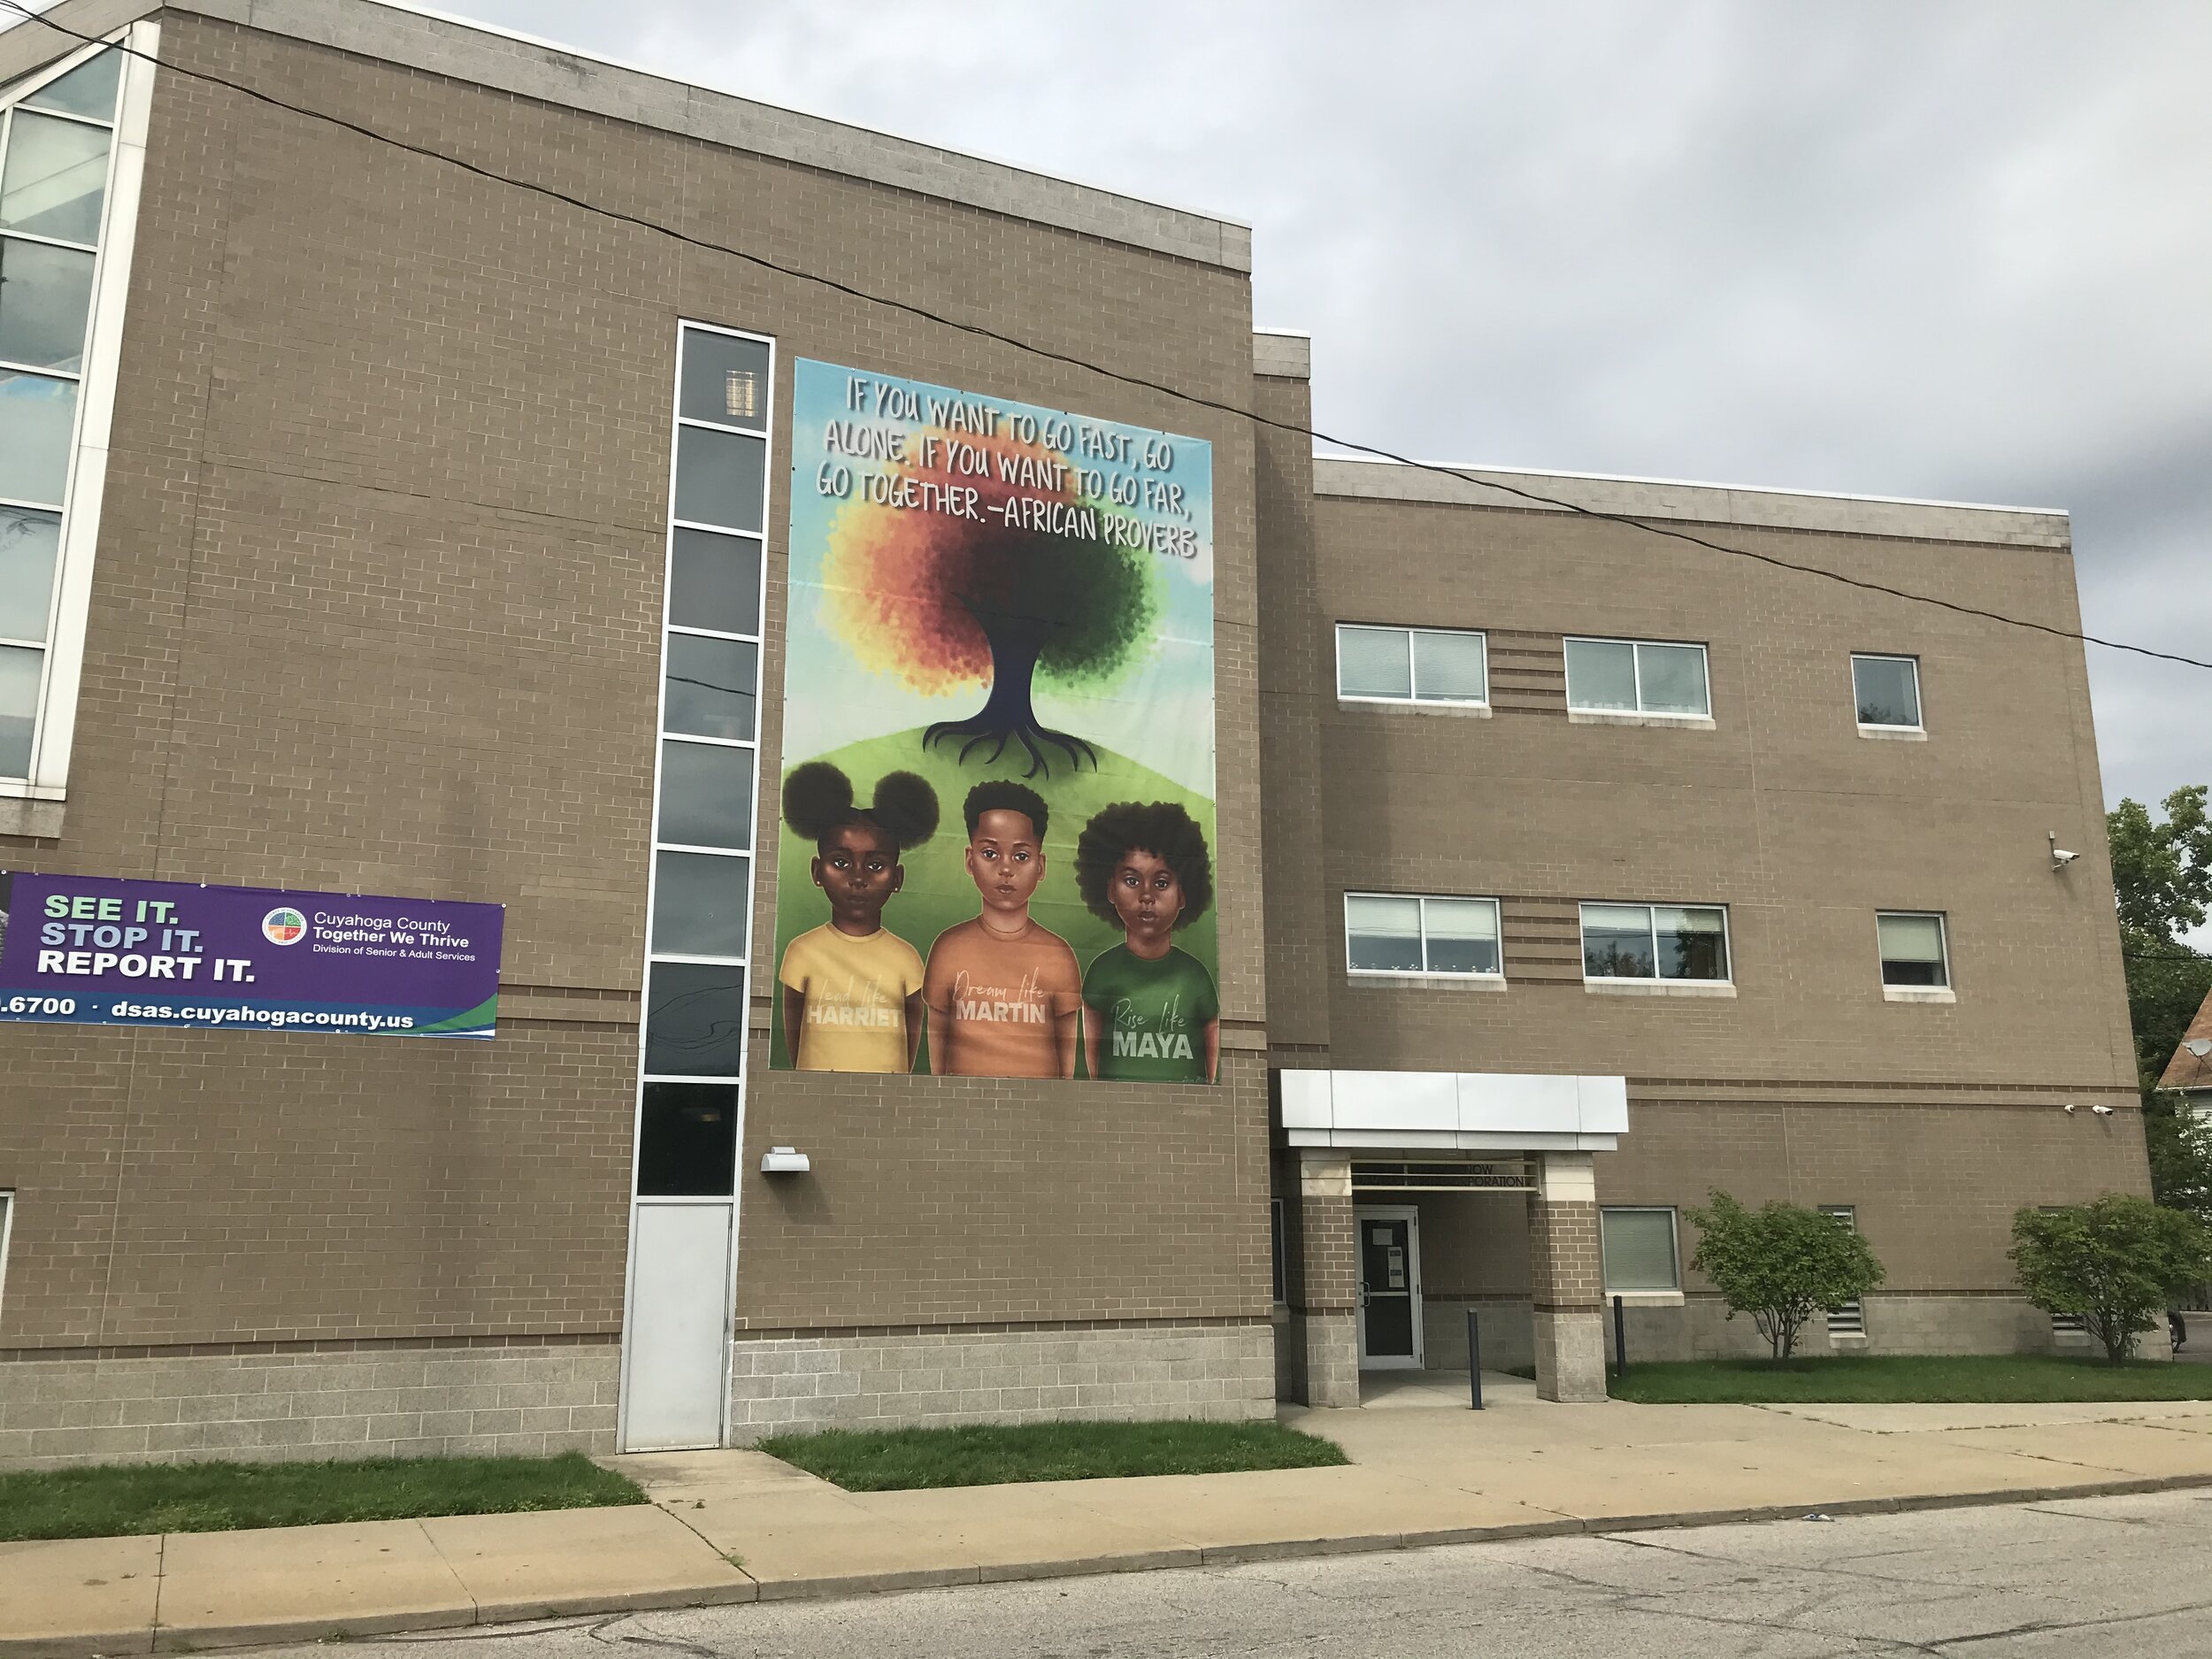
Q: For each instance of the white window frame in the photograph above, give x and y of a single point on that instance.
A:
(1414, 700)
(740, 1084)
(1648, 1296)
(1727, 944)
(1919, 695)
(1945, 993)
(1636, 658)
(7, 1231)
(1497, 913)
(54, 712)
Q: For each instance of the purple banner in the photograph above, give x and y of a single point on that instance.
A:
(98, 950)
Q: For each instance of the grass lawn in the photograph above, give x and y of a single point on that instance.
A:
(1952, 1379)
(110, 1500)
(896, 1460)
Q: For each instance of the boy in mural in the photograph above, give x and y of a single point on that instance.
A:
(852, 991)
(1003, 992)
(1151, 1011)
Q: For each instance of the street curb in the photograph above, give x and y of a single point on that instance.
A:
(174, 1638)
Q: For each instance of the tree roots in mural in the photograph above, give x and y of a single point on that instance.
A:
(1008, 715)
(987, 728)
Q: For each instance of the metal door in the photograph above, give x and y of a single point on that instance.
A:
(674, 1367)
(1389, 1258)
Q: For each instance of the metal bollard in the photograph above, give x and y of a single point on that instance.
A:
(1474, 1359)
(1620, 1341)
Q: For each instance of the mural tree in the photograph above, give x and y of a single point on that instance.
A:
(980, 597)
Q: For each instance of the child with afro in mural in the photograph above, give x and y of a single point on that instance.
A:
(1151, 1011)
(1004, 991)
(852, 990)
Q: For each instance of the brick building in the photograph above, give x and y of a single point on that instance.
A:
(1564, 871)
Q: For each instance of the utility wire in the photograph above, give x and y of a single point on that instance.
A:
(1197, 400)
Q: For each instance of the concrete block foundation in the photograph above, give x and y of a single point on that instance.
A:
(364, 1402)
(794, 1384)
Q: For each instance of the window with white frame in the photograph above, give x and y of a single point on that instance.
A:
(1914, 951)
(701, 912)
(1639, 1248)
(1850, 1318)
(1401, 933)
(1886, 691)
(1637, 677)
(62, 271)
(1443, 665)
(1655, 941)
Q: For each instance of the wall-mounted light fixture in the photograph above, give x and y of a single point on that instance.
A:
(784, 1161)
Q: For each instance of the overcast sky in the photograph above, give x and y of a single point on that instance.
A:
(1960, 251)
(1952, 250)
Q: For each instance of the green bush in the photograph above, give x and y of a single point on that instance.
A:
(2118, 1262)
(1781, 1263)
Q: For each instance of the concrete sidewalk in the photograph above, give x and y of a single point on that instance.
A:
(739, 1527)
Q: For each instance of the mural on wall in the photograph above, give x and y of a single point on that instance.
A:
(998, 800)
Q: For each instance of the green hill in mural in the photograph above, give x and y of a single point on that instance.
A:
(937, 893)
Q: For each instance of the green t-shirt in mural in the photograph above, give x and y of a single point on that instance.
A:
(1154, 1016)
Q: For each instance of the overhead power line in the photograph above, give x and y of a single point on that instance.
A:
(1196, 399)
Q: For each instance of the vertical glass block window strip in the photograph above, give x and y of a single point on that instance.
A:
(699, 948)
(57, 146)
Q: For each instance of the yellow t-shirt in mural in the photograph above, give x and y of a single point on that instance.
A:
(856, 987)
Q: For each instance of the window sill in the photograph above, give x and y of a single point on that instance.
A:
(1895, 733)
(1644, 1298)
(1431, 981)
(1659, 987)
(37, 818)
(1621, 717)
(1918, 993)
(1463, 711)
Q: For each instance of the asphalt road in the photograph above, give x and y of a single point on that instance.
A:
(2082, 1579)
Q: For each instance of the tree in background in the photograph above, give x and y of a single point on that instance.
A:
(1781, 1263)
(2118, 1262)
(943, 600)
(2161, 877)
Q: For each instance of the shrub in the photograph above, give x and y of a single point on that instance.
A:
(1781, 1263)
(2118, 1262)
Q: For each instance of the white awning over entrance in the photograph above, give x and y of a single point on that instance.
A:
(1468, 1111)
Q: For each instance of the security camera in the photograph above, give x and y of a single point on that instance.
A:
(2068, 1109)
(2061, 857)
(2101, 1111)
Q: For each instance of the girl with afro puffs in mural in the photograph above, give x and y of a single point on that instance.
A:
(1151, 1011)
(852, 990)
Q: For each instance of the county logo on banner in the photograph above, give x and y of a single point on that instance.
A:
(96, 950)
(998, 740)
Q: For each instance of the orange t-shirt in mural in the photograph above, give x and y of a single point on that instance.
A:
(996, 1002)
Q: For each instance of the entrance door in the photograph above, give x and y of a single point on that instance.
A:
(675, 1372)
(1389, 1288)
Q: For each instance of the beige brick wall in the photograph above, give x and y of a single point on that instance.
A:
(1936, 1121)
(377, 610)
